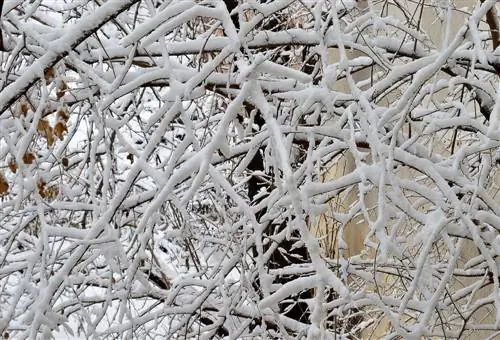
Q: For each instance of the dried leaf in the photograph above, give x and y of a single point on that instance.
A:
(61, 91)
(59, 129)
(50, 139)
(46, 130)
(43, 127)
(65, 162)
(51, 192)
(49, 74)
(62, 114)
(41, 187)
(28, 158)
(13, 165)
(4, 186)
(24, 109)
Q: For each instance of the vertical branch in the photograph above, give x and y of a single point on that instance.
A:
(2, 48)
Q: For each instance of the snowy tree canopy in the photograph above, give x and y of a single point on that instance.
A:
(249, 169)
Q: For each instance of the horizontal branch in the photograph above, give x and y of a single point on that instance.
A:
(292, 37)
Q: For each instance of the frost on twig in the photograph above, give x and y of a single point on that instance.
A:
(252, 169)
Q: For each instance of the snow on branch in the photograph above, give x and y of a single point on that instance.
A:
(249, 169)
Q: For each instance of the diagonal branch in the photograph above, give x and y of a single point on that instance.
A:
(59, 48)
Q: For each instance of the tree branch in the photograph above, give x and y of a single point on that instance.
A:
(58, 49)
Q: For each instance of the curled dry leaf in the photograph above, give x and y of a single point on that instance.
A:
(44, 127)
(4, 186)
(62, 114)
(28, 158)
(61, 91)
(60, 129)
(51, 192)
(49, 74)
(48, 193)
(50, 139)
(46, 130)
(41, 187)
(24, 109)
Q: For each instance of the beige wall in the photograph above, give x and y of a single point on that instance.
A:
(354, 232)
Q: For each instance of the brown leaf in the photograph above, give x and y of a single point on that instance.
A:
(50, 139)
(4, 186)
(49, 74)
(46, 130)
(51, 192)
(43, 127)
(41, 187)
(65, 162)
(62, 114)
(61, 91)
(28, 158)
(13, 165)
(24, 109)
(59, 129)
